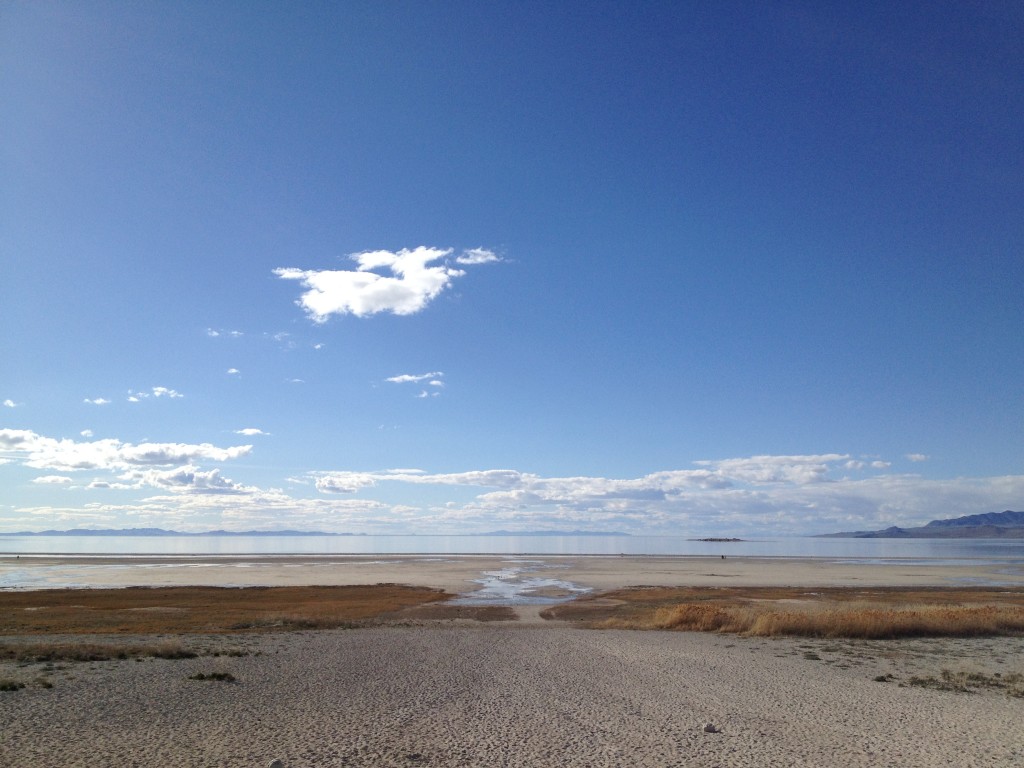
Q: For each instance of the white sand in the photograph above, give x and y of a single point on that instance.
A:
(507, 695)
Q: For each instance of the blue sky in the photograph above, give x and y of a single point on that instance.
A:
(726, 268)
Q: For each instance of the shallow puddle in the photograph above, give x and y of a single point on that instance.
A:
(518, 584)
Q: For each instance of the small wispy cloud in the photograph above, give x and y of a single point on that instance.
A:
(477, 256)
(86, 433)
(917, 457)
(214, 333)
(417, 276)
(233, 371)
(413, 378)
(10, 404)
(97, 401)
(249, 431)
(433, 379)
(136, 397)
(52, 480)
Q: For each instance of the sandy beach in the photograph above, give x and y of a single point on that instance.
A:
(520, 692)
(505, 695)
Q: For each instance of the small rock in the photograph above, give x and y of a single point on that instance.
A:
(710, 728)
(276, 764)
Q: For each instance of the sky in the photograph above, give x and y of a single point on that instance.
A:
(732, 268)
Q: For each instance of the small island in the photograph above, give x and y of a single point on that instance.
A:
(717, 539)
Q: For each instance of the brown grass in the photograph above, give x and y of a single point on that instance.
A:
(72, 651)
(176, 610)
(826, 613)
(969, 682)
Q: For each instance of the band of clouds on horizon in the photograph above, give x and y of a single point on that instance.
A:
(794, 494)
(719, 474)
(771, 508)
(414, 282)
(771, 493)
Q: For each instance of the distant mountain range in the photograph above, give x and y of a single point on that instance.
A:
(990, 525)
(164, 532)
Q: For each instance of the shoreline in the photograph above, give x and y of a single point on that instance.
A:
(464, 574)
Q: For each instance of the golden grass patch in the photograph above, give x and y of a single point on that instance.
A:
(878, 613)
(158, 610)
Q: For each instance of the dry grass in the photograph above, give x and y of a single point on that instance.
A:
(70, 651)
(177, 610)
(826, 613)
(970, 682)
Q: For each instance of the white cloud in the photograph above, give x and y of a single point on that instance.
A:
(477, 256)
(86, 433)
(233, 371)
(917, 457)
(136, 397)
(97, 401)
(406, 378)
(65, 455)
(250, 431)
(775, 469)
(416, 278)
(10, 404)
(214, 333)
(344, 482)
(186, 479)
(52, 480)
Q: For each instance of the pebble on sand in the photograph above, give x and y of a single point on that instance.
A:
(710, 728)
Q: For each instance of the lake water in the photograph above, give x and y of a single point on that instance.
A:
(942, 550)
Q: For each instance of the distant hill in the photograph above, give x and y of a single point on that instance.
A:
(1005, 519)
(164, 532)
(990, 525)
